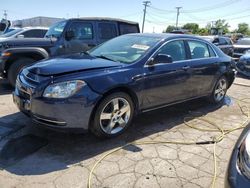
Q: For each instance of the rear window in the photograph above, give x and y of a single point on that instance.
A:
(107, 30)
(128, 28)
(198, 49)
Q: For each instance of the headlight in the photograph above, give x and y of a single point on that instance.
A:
(63, 89)
(244, 157)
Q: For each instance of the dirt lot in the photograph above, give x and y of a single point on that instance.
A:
(31, 156)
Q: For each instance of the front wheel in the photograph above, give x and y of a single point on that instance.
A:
(219, 91)
(113, 115)
(16, 67)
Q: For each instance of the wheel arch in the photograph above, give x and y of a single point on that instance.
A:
(229, 77)
(28, 52)
(123, 89)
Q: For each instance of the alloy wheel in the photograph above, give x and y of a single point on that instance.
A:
(220, 90)
(115, 115)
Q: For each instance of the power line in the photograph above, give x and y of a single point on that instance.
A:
(208, 8)
(216, 6)
(146, 4)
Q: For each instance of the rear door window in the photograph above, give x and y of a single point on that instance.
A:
(128, 28)
(175, 49)
(198, 49)
(107, 31)
(211, 51)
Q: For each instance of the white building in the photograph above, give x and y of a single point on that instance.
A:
(36, 21)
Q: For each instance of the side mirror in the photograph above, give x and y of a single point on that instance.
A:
(216, 44)
(161, 58)
(69, 35)
(20, 36)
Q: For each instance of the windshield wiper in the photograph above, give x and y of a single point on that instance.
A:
(84, 52)
(105, 57)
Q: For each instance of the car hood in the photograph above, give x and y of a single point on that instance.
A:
(70, 64)
(30, 42)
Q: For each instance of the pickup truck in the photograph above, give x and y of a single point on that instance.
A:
(65, 37)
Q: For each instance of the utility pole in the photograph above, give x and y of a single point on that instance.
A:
(177, 16)
(5, 15)
(146, 4)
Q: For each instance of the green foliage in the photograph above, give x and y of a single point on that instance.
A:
(221, 24)
(243, 28)
(169, 29)
(203, 31)
(192, 27)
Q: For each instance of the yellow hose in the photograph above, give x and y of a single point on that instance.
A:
(214, 141)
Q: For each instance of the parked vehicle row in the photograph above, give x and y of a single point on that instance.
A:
(224, 43)
(241, 47)
(66, 37)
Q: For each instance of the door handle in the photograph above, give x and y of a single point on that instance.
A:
(62, 46)
(186, 67)
(138, 77)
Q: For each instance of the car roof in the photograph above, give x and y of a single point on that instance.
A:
(104, 19)
(29, 28)
(166, 36)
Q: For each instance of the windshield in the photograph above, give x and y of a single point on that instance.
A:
(56, 30)
(243, 41)
(13, 32)
(125, 49)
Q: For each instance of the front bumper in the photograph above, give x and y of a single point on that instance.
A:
(70, 113)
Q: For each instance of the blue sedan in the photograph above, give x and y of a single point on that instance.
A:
(101, 90)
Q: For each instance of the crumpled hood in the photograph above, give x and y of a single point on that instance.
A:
(73, 63)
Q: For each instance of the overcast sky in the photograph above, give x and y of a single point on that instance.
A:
(160, 14)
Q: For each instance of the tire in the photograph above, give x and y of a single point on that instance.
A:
(219, 91)
(16, 67)
(110, 119)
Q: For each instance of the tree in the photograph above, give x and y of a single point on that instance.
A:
(169, 29)
(221, 25)
(243, 28)
(192, 27)
(203, 31)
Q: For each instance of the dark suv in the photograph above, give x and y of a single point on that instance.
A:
(65, 37)
(224, 43)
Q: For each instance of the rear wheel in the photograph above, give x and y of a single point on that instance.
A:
(220, 90)
(16, 67)
(113, 115)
